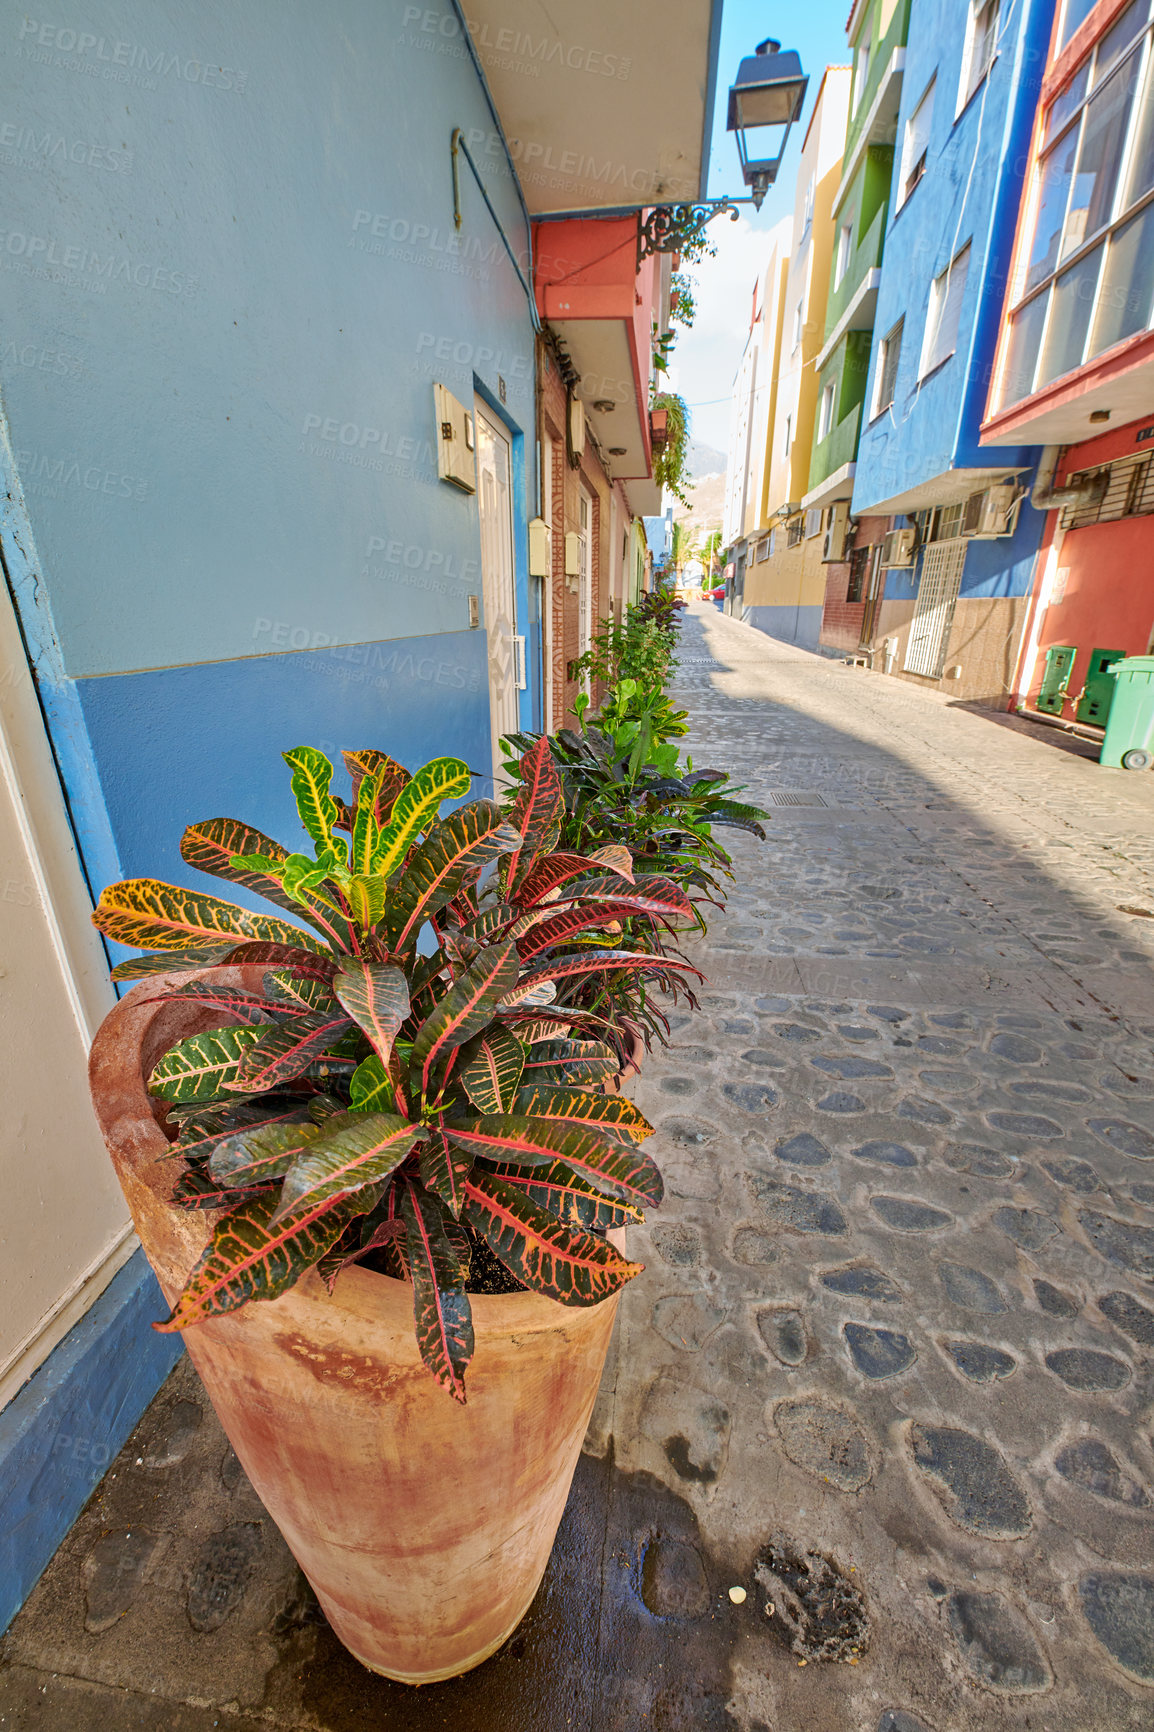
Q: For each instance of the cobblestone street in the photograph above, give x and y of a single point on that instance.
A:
(898, 1309)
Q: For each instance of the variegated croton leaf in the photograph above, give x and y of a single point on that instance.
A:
(361, 1098)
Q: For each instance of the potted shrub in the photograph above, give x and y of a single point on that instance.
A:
(372, 1167)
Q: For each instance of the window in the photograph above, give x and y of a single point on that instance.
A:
(795, 529)
(861, 70)
(813, 517)
(788, 446)
(859, 564)
(825, 413)
(798, 323)
(807, 209)
(891, 353)
(1076, 13)
(915, 145)
(764, 548)
(945, 312)
(772, 542)
(1087, 273)
(981, 46)
(844, 248)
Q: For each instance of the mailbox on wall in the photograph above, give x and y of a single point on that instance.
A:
(456, 455)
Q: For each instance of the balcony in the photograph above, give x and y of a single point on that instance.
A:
(875, 117)
(601, 306)
(851, 305)
(832, 464)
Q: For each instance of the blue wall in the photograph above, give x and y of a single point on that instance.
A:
(231, 280)
(61, 1431)
(795, 625)
(970, 192)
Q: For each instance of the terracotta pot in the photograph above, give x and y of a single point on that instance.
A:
(423, 1526)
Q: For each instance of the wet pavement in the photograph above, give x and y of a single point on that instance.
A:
(889, 1369)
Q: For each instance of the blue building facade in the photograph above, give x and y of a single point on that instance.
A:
(955, 591)
(245, 254)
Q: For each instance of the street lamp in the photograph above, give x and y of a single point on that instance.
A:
(768, 93)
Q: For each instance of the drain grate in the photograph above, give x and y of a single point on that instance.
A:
(792, 797)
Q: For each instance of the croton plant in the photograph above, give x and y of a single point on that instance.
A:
(415, 1078)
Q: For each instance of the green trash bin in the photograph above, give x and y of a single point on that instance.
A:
(1129, 742)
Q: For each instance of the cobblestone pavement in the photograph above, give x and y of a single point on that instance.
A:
(889, 1369)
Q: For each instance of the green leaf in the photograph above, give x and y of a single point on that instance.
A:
(440, 1303)
(170, 961)
(563, 1194)
(301, 991)
(203, 1066)
(281, 1054)
(371, 1089)
(466, 1007)
(144, 911)
(390, 778)
(538, 809)
(311, 776)
(195, 1190)
(454, 848)
(211, 847)
(254, 1256)
(247, 1006)
(263, 864)
(366, 829)
(612, 1115)
(353, 1150)
(418, 801)
(376, 995)
(618, 1169)
(249, 1157)
(203, 1129)
(570, 1062)
(492, 1070)
(594, 961)
(560, 1261)
(368, 898)
(444, 1169)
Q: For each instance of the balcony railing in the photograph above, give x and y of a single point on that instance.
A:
(864, 255)
(837, 448)
(881, 53)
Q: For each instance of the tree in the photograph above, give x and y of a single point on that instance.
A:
(682, 549)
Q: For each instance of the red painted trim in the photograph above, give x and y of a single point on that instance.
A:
(1135, 352)
(1089, 32)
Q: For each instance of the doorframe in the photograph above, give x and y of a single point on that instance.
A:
(529, 702)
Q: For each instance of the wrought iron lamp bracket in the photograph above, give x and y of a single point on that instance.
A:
(670, 228)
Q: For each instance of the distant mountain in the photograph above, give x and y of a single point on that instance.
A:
(704, 459)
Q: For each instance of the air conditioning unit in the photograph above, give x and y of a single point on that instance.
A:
(899, 547)
(992, 512)
(838, 534)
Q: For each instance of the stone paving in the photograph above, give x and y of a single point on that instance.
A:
(889, 1369)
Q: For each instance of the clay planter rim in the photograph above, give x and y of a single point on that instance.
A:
(520, 1311)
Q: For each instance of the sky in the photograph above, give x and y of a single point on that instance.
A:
(706, 357)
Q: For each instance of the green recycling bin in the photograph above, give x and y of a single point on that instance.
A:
(1129, 742)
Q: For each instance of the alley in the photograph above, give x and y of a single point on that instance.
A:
(898, 1308)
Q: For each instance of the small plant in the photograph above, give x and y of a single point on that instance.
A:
(431, 1108)
(682, 300)
(669, 464)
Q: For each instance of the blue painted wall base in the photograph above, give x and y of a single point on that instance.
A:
(58, 1435)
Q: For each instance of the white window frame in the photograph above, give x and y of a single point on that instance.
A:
(861, 71)
(788, 436)
(825, 412)
(896, 330)
(842, 256)
(947, 283)
(974, 66)
(807, 208)
(798, 323)
(815, 516)
(918, 126)
(1101, 239)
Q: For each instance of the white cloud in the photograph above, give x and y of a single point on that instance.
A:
(707, 357)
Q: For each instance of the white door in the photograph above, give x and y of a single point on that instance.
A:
(941, 578)
(495, 502)
(585, 581)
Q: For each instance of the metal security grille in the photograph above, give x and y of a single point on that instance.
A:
(1126, 490)
(941, 578)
